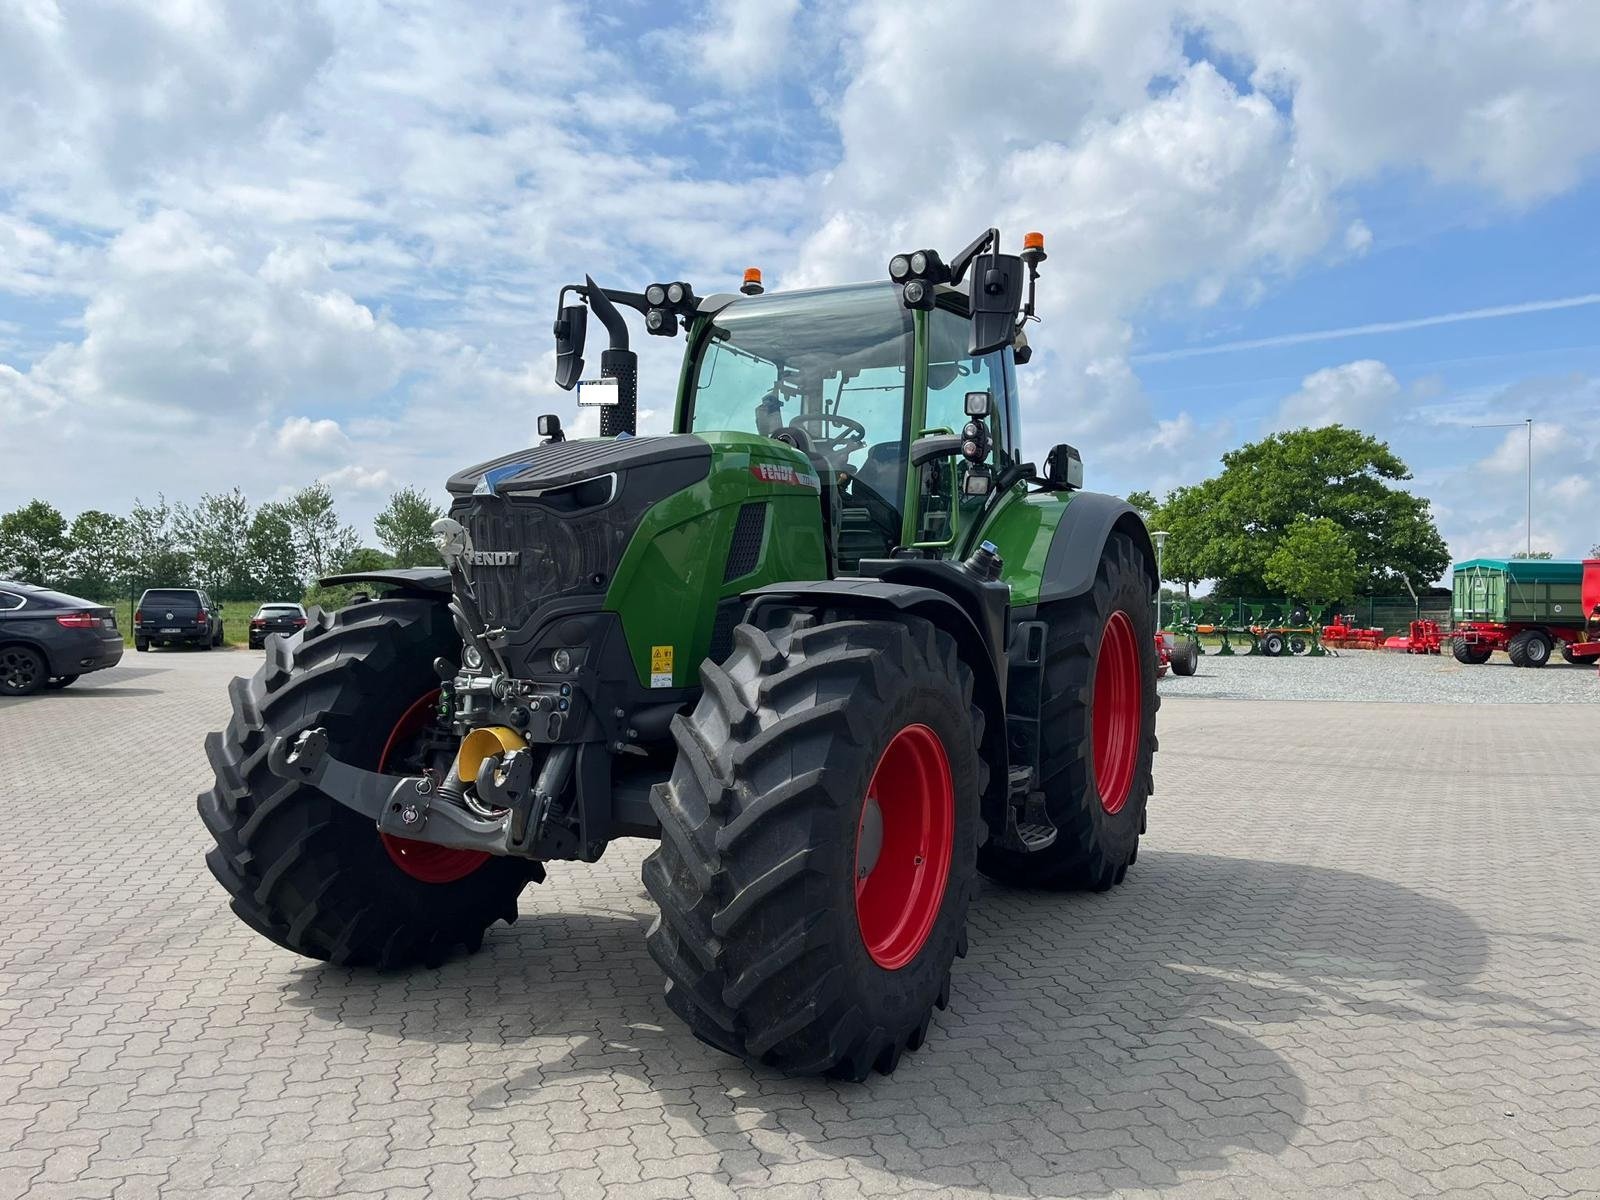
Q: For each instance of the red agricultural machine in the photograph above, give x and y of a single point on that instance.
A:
(1345, 634)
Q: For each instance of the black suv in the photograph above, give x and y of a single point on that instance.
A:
(275, 618)
(175, 616)
(48, 639)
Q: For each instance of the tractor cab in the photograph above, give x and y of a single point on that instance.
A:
(901, 393)
(861, 385)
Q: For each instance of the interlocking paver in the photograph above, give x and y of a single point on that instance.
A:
(1344, 965)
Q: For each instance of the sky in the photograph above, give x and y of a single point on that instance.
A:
(260, 245)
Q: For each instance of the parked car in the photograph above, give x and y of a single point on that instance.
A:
(175, 617)
(275, 618)
(49, 639)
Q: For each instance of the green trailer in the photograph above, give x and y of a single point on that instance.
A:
(1522, 606)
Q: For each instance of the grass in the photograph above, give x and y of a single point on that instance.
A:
(236, 616)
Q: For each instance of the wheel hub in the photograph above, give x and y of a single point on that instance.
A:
(1118, 712)
(423, 861)
(904, 841)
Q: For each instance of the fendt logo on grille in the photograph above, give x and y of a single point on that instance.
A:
(493, 558)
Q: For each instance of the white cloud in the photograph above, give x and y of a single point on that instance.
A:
(1360, 394)
(301, 437)
(742, 43)
(356, 478)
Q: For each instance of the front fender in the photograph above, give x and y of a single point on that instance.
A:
(428, 583)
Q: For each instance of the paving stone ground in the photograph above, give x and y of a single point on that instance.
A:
(1357, 957)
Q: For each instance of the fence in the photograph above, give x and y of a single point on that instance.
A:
(1391, 613)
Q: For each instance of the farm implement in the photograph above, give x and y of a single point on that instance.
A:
(830, 643)
(1526, 608)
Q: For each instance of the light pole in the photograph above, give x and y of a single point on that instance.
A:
(1528, 421)
(1160, 536)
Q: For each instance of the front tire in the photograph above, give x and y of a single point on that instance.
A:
(1099, 718)
(1186, 658)
(305, 871)
(818, 843)
(1473, 654)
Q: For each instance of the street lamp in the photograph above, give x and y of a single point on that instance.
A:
(1160, 536)
(1528, 421)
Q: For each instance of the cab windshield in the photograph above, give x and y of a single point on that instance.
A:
(830, 369)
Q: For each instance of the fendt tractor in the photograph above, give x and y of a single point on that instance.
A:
(831, 642)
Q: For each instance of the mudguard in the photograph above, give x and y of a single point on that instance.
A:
(976, 645)
(1074, 555)
(429, 583)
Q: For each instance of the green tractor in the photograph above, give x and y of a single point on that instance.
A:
(831, 643)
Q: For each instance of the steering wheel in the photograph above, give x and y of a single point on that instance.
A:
(825, 444)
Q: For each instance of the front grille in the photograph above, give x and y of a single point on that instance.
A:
(744, 550)
(558, 554)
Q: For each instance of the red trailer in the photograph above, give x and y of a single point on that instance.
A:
(1588, 650)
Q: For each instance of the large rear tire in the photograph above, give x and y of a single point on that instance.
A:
(818, 842)
(304, 870)
(1530, 648)
(1099, 732)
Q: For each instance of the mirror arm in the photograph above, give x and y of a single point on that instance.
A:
(600, 304)
(958, 265)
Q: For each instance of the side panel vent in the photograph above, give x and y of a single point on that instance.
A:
(744, 550)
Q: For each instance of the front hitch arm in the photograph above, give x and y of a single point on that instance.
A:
(409, 806)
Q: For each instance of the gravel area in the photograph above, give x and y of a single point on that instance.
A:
(1386, 676)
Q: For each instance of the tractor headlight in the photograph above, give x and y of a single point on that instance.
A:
(917, 293)
(661, 321)
(900, 268)
(655, 295)
(561, 659)
(679, 295)
(470, 657)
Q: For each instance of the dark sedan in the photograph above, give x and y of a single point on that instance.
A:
(48, 639)
(275, 618)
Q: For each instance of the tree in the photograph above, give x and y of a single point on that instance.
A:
(217, 534)
(1314, 561)
(270, 554)
(156, 556)
(405, 527)
(320, 542)
(1144, 503)
(33, 544)
(1534, 554)
(366, 558)
(98, 559)
(1227, 527)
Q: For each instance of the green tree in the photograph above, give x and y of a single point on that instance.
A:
(216, 532)
(1228, 527)
(156, 554)
(405, 528)
(33, 544)
(270, 554)
(321, 543)
(1314, 562)
(366, 558)
(98, 560)
(1181, 515)
(1144, 502)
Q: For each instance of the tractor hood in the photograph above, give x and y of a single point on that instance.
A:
(561, 464)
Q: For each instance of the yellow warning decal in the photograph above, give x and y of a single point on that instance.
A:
(660, 666)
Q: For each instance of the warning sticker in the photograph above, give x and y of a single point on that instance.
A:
(660, 666)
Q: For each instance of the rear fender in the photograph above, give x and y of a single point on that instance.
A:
(1085, 527)
(877, 597)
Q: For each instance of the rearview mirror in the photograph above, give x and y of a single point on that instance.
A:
(572, 326)
(996, 296)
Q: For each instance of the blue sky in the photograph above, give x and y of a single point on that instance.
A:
(262, 245)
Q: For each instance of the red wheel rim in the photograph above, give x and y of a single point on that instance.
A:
(903, 846)
(1118, 712)
(423, 860)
